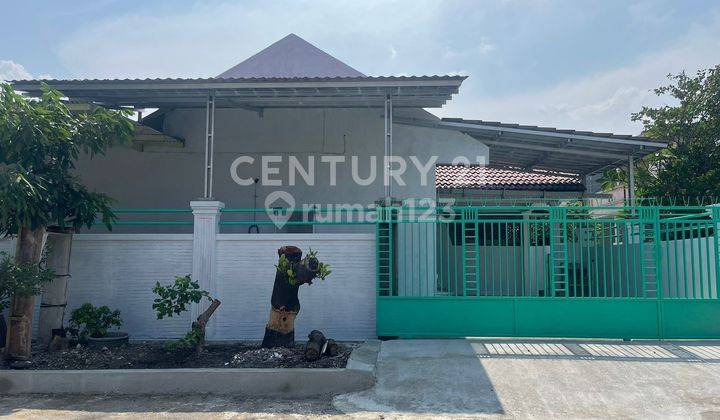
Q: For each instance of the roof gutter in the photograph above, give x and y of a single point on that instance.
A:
(466, 126)
(35, 85)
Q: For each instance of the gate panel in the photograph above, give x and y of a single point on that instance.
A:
(445, 317)
(587, 318)
(549, 271)
(691, 318)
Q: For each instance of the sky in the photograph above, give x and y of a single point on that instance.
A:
(581, 64)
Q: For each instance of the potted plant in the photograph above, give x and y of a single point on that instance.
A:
(90, 324)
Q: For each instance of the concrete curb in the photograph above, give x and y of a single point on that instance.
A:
(290, 383)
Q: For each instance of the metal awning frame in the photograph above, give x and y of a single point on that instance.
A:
(412, 92)
(552, 150)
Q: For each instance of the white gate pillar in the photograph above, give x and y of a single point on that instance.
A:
(206, 218)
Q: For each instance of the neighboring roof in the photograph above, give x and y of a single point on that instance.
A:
(346, 92)
(545, 148)
(291, 57)
(489, 178)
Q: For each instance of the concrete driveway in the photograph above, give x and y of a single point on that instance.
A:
(462, 379)
(542, 379)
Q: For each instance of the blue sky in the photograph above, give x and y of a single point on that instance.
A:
(571, 64)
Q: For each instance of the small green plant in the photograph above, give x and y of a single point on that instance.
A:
(323, 269)
(21, 278)
(174, 299)
(91, 321)
(285, 266)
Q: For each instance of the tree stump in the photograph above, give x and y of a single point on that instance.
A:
(280, 329)
(202, 321)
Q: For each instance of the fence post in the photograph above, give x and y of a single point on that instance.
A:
(206, 218)
(654, 214)
(558, 260)
(715, 209)
(386, 247)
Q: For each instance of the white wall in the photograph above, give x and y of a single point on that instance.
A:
(342, 306)
(682, 278)
(171, 177)
(120, 271)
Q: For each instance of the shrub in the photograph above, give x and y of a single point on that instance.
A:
(94, 322)
(21, 278)
(174, 299)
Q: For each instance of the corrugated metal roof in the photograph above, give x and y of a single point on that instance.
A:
(530, 147)
(489, 178)
(265, 92)
(291, 56)
(547, 129)
(225, 80)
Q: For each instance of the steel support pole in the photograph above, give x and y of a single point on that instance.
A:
(631, 180)
(388, 140)
(386, 178)
(209, 145)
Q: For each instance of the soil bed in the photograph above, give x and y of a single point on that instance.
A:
(155, 355)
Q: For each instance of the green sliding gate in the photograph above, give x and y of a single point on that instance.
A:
(548, 271)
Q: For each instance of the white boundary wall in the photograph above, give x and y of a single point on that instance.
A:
(120, 270)
(342, 306)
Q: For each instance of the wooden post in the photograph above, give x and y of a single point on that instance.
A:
(54, 294)
(29, 251)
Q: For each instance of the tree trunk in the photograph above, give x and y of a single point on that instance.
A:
(3, 331)
(202, 321)
(54, 294)
(29, 250)
(280, 329)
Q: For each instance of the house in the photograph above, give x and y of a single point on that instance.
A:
(294, 99)
(263, 154)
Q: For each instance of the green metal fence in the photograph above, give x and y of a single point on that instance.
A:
(534, 270)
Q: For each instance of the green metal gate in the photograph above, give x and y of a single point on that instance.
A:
(548, 271)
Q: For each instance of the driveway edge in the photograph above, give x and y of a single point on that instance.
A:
(301, 382)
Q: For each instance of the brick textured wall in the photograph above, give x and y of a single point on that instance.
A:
(343, 306)
(120, 270)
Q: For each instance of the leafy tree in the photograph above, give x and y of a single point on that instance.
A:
(690, 166)
(40, 141)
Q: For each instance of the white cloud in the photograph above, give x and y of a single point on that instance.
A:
(10, 70)
(485, 46)
(603, 101)
(393, 52)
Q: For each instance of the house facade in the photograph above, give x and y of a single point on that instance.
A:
(445, 227)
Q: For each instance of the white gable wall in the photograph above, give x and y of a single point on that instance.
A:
(172, 177)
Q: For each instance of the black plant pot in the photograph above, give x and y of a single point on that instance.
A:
(112, 339)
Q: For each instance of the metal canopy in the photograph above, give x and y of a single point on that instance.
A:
(345, 92)
(545, 148)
